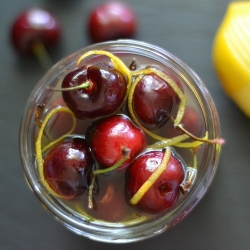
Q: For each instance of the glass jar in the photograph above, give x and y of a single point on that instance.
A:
(138, 53)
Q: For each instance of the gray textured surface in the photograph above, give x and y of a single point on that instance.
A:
(185, 28)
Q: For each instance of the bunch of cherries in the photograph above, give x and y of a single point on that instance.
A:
(122, 106)
(37, 30)
(121, 109)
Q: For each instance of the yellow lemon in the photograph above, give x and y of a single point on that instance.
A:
(231, 54)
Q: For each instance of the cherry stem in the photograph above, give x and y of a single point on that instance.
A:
(133, 65)
(126, 155)
(38, 117)
(85, 85)
(188, 180)
(41, 54)
(214, 141)
(38, 114)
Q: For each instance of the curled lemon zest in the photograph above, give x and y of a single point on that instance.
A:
(61, 109)
(90, 218)
(153, 177)
(173, 85)
(168, 142)
(38, 145)
(192, 144)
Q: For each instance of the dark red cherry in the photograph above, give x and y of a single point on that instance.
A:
(113, 137)
(67, 167)
(164, 193)
(35, 25)
(104, 95)
(110, 21)
(152, 101)
(191, 121)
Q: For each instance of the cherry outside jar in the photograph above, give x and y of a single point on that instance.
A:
(199, 171)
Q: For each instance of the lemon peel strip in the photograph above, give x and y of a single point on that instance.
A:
(39, 147)
(90, 218)
(153, 177)
(56, 110)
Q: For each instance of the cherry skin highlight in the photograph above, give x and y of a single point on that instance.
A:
(110, 21)
(115, 136)
(67, 167)
(104, 95)
(164, 193)
(35, 26)
(152, 101)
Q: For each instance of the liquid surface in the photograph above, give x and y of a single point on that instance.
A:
(109, 198)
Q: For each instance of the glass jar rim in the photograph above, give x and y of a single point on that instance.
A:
(120, 233)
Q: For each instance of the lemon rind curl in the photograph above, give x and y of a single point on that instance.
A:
(38, 144)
